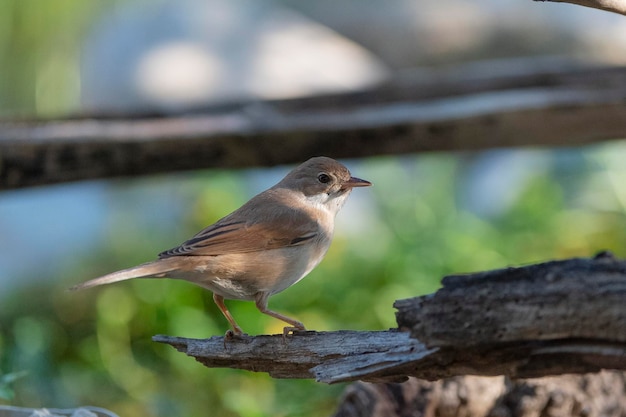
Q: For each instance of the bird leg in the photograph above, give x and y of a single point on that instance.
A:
(261, 303)
(219, 301)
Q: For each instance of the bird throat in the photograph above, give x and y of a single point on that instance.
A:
(332, 202)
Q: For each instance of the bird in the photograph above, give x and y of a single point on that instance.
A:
(262, 248)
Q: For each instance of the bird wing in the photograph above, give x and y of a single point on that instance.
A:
(235, 234)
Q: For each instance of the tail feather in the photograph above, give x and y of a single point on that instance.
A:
(148, 270)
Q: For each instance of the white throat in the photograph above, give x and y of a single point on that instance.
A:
(328, 202)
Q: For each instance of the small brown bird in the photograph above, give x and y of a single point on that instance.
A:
(262, 248)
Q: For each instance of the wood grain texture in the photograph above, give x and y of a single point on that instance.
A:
(326, 356)
(570, 299)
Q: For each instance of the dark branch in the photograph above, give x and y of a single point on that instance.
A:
(545, 319)
(472, 107)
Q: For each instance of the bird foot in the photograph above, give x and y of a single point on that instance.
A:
(231, 335)
(293, 330)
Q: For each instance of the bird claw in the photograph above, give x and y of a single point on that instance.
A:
(231, 335)
(293, 330)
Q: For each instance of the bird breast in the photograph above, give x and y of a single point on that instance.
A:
(240, 276)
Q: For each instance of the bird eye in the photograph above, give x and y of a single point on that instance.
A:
(323, 178)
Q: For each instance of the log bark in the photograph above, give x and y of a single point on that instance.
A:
(479, 106)
(578, 299)
(552, 318)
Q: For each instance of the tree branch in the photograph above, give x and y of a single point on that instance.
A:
(476, 106)
(615, 6)
(546, 319)
(307, 354)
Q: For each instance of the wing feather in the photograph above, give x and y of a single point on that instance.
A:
(242, 231)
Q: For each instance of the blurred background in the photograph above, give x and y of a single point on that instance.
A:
(426, 216)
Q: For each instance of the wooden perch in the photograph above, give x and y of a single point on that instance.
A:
(476, 106)
(546, 319)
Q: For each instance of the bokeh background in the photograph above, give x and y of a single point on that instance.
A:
(426, 216)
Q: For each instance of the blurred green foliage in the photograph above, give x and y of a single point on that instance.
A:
(6, 382)
(40, 54)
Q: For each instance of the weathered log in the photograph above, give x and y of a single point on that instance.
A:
(552, 318)
(575, 299)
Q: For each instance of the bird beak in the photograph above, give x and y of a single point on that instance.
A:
(355, 182)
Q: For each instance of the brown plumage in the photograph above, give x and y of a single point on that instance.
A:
(265, 246)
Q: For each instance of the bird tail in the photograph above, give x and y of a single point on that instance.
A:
(154, 269)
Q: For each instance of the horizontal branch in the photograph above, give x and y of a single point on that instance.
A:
(546, 319)
(475, 106)
(306, 354)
